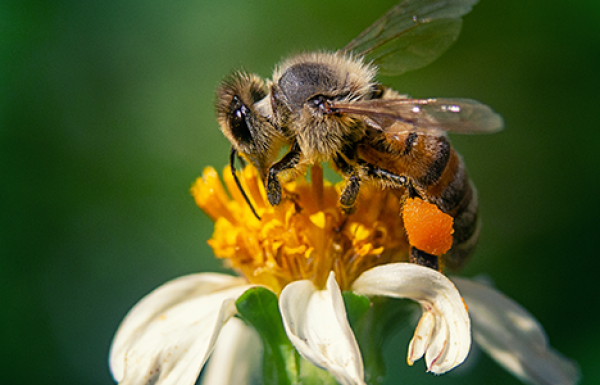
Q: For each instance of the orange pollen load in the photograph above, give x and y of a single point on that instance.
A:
(427, 227)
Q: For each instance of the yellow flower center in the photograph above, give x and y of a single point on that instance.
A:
(306, 236)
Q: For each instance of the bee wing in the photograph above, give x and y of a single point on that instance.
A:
(411, 35)
(454, 115)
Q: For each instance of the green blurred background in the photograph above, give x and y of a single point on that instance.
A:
(107, 118)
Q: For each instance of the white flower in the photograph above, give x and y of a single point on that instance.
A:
(169, 335)
(316, 324)
(237, 356)
(306, 251)
(513, 337)
(444, 332)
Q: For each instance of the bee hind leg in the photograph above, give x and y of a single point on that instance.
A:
(424, 259)
(383, 176)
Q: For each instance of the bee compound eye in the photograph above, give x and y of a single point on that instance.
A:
(238, 121)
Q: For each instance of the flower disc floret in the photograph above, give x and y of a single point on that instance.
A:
(303, 238)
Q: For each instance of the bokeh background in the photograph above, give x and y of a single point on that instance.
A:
(107, 118)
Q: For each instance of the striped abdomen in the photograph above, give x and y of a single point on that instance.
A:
(435, 173)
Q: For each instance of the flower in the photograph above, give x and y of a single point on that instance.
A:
(513, 337)
(307, 252)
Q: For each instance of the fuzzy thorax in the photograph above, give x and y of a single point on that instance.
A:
(303, 84)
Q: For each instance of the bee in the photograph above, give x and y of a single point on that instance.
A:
(328, 107)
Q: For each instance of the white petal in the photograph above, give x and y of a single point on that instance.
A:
(167, 337)
(423, 332)
(513, 337)
(237, 357)
(316, 323)
(448, 341)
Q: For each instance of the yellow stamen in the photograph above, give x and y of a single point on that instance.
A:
(306, 236)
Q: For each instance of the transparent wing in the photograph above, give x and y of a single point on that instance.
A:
(456, 115)
(411, 35)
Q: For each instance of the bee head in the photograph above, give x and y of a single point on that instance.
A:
(245, 124)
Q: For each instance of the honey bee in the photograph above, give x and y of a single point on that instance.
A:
(328, 107)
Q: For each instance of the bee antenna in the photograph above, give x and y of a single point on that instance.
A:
(232, 157)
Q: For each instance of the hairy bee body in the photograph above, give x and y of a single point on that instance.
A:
(328, 107)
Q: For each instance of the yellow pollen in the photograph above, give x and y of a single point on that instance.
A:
(306, 236)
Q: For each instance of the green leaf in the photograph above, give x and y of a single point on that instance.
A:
(356, 305)
(258, 306)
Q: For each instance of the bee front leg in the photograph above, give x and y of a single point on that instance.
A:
(289, 161)
(349, 194)
(350, 191)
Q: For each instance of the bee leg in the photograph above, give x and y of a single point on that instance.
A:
(424, 259)
(384, 176)
(350, 191)
(349, 195)
(289, 161)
